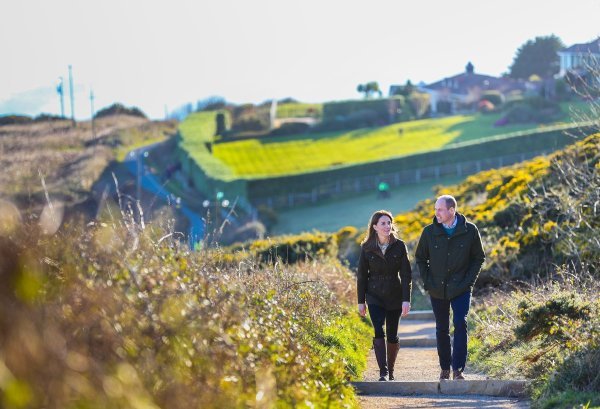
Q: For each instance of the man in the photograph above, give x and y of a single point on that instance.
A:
(450, 256)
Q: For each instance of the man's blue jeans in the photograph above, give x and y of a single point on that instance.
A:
(457, 356)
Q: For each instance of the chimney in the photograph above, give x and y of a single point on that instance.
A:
(470, 68)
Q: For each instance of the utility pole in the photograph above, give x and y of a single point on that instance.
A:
(140, 173)
(92, 107)
(72, 99)
(61, 93)
(139, 177)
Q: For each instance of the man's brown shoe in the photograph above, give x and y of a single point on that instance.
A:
(457, 375)
(445, 374)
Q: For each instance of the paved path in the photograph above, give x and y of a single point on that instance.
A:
(417, 382)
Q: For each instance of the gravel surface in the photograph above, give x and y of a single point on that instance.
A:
(413, 364)
(421, 364)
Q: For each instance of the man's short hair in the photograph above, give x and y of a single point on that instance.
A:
(450, 201)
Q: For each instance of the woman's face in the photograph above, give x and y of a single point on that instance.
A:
(383, 226)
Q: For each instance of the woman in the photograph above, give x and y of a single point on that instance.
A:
(384, 281)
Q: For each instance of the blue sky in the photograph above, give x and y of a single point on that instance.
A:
(154, 54)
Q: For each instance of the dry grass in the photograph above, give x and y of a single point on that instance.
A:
(70, 159)
(119, 314)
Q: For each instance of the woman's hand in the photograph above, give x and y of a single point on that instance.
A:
(362, 309)
(405, 308)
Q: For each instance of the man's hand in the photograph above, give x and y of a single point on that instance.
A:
(405, 308)
(362, 309)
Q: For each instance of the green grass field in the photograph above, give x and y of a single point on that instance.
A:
(196, 131)
(355, 210)
(311, 152)
(295, 154)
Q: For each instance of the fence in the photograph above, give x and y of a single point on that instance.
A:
(369, 183)
(208, 175)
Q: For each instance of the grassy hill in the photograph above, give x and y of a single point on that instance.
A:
(536, 311)
(353, 210)
(70, 159)
(117, 314)
(196, 132)
(545, 210)
(539, 222)
(287, 155)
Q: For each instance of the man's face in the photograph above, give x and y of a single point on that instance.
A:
(442, 213)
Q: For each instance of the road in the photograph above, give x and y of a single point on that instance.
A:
(134, 161)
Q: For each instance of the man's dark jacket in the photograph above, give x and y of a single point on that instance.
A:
(384, 280)
(449, 266)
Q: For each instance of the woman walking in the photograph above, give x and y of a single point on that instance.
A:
(384, 282)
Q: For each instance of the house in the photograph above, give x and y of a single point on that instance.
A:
(579, 57)
(460, 92)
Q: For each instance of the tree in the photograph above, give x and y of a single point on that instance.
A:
(369, 88)
(537, 57)
(405, 90)
(212, 103)
(419, 102)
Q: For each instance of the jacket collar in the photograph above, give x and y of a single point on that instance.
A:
(373, 247)
(461, 225)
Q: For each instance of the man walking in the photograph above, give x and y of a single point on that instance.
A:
(450, 256)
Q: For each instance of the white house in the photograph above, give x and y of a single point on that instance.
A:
(579, 56)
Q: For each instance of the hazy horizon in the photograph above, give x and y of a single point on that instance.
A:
(152, 57)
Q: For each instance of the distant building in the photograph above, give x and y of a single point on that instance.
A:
(578, 57)
(461, 92)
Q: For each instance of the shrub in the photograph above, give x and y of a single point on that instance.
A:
(444, 107)
(15, 120)
(510, 216)
(485, 106)
(348, 239)
(249, 124)
(420, 103)
(548, 334)
(495, 97)
(532, 109)
(290, 128)
(119, 315)
(250, 118)
(357, 113)
(552, 320)
(579, 372)
(563, 91)
(521, 113)
(48, 118)
(292, 249)
(119, 109)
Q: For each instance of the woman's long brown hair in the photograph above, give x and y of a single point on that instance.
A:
(370, 238)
